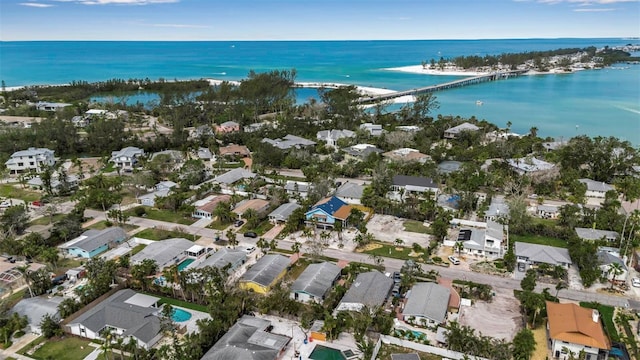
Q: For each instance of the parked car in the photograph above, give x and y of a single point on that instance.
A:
(250, 249)
(238, 223)
(522, 266)
(635, 282)
(396, 290)
(454, 260)
(5, 204)
(250, 234)
(397, 277)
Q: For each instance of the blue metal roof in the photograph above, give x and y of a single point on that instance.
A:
(331, 206)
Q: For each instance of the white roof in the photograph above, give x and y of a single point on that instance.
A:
(195, 248)
(142, 300)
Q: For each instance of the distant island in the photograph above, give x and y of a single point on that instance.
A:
(535, 62)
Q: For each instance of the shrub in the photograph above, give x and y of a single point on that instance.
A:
(18, 334)
(436, 259)
(139, 211)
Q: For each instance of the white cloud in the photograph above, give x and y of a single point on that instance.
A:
(36, 5)
(593, 9)
(120, 2)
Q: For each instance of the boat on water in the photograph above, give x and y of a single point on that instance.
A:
(479, 103)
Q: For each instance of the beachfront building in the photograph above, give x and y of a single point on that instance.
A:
(331, 137)
(127, 158)
(403, 186)
(290, 142)
(283, 212)
(427, 304)
(250, 338)
(165, 253)
(535, 254)
(129, 315)
(369, 289)
(93, 242)
(487, 242)
(372, 129)
(350, 192)
(455, 131)
(574, 330)
(596, 189)
(265, 274)
(590, 234)
(315, 282)
(406, 155)
(227, 127)
(205, 208)
(30, 160)
(326, 212)
(50, 106)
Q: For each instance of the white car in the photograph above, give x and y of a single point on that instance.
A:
(5, 204)
(635, 282)
(454, 260)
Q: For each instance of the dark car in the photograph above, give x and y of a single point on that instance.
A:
(397, 277)
(250, 234)
(238, 223)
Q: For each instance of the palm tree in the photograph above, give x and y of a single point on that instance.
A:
(296, 248)
(615, 269)
(232, 238)
(559, 286)
(459, 246)
(24, 270)
(533, 131)
(398, 242)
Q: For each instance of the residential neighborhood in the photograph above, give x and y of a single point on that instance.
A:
(300, 235)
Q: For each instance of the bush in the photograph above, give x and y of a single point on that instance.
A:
(139, 211)
(436, 259)
(108, 223)
(18, 334)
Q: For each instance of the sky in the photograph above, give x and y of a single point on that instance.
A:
(27, 20)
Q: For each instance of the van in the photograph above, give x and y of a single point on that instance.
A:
(454, 260)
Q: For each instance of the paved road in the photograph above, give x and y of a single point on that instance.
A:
(395, 264)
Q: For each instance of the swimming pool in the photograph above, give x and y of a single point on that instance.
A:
(180, 315)
(326, 353)
(185, 263)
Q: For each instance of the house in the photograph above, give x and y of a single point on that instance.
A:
(547, 211)
(264, 274)
(315, 282)
(408, 128)
(299, 188)
(589, 234)
(350, 193)
(81, 121)
(36, 308)
(258, 205)
(224, 257)
(234, 150)
(290, 142)
(129, 315)
(489, 242)
(535, 254)
(205, 154)
(426, 304)
(162, 189)
(232, 176)
(165, 253)
(205, 208)
(326, 212)
(369, 289)
(255, 127)
(127, 158)
(449, 166)
(93, 242)
(497, 209)
(331, 137)
(227, 127)
(56, 185)
(529, 165)
(550, 146)
(455, 131)
(406, 155)
(30, 160)
(403, 186)
(50, 106)
(372, 129)
(596, 189)
(362, 151)
(202, 131)
(282, 213)
(96, 113)
(250, 338)
(576, 329)
(607, 257)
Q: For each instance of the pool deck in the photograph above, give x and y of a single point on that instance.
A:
(292, 329)
(195, 316)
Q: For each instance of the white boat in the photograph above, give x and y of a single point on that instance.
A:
(479, 103)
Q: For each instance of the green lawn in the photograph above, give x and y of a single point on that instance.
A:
(606, 312)
(415, 226)
(100, 225)
(391, 251)
(17, 192)
(14, 298)
(184, 304)
(160, 234)
(537, 239)
(218, 225)
(261, 229)
(109, 168)
(69, 348)
(165, 215)
(137, 249)
(45, 220)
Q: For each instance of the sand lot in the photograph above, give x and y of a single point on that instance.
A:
(499, 319)
(389, 228)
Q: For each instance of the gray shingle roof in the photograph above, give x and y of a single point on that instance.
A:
(266, 270)
(370, 289)
(316, 279)
(462, 127)
(404, 180)
(350, 190)
(139, 322)
(93, 239)
(128, 152)
(223, 257)
(334, 134)
(606, 258)
(37, 307)
(283, 212)
(543, 253)
(248, 340)
(595, 234)
(165, 252)
(596, 185)
(428, 300)
(234, 175)
(288, 142)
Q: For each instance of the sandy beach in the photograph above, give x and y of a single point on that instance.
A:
(364, 90)
(448, 71)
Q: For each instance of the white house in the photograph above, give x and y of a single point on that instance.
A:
(547, 211)
(529, 165)
(455, 131)
(575, 329)
(589, 234)
(596, 189)
(162, 189)
(32, 159)
(127, 158)
(331, 137)
(536, 254)
(607, 257)
(372, 129)
(489, 242)
(315, 282)
(402, 186)
(426, 304)
(350, 192)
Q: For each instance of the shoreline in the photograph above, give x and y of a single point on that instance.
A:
(454, 71)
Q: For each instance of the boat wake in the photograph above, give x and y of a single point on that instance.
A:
(629, 109)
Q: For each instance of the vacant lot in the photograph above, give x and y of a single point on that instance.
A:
(540, 240)
(499, 319)
(70, 348)
(389, 228)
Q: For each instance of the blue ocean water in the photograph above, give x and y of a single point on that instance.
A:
(595, 102)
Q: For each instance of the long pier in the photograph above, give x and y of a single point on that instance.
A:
(449, 85)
